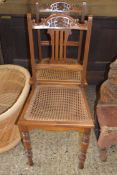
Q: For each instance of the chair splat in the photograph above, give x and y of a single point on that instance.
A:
(59, 40)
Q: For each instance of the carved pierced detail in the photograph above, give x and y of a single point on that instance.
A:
(60, 6)
(59, 21)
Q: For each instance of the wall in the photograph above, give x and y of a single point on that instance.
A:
(96, 7)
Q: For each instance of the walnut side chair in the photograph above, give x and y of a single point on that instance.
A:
(57, 101)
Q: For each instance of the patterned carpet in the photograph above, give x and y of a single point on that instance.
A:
(56, 153)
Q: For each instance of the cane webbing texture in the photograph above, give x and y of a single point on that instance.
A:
(59, 74)
(68, 61)
(58, 103)
(12, 83)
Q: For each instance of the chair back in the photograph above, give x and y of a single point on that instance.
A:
(63, 7)
(60, 26)
(59, 31)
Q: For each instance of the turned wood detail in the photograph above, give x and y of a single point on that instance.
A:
(84, 147)
(27, 146)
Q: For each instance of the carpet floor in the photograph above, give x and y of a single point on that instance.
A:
(56, 153)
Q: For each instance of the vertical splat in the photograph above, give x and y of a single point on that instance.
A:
(59, 40)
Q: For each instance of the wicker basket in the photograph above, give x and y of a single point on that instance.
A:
(14, 88)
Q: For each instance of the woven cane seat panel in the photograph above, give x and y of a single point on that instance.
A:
(11, 86)
(68, 60)
(51, 103)
(59, 74)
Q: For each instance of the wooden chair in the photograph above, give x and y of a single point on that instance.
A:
(57, 100)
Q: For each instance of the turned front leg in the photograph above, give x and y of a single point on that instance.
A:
(27, 146)
(84, 147)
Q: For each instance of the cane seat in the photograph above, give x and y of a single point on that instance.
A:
(58, 104)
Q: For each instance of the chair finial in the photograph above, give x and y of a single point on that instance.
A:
(37, 11)
(84, 11)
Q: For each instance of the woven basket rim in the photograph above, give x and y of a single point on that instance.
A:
(19, 102)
